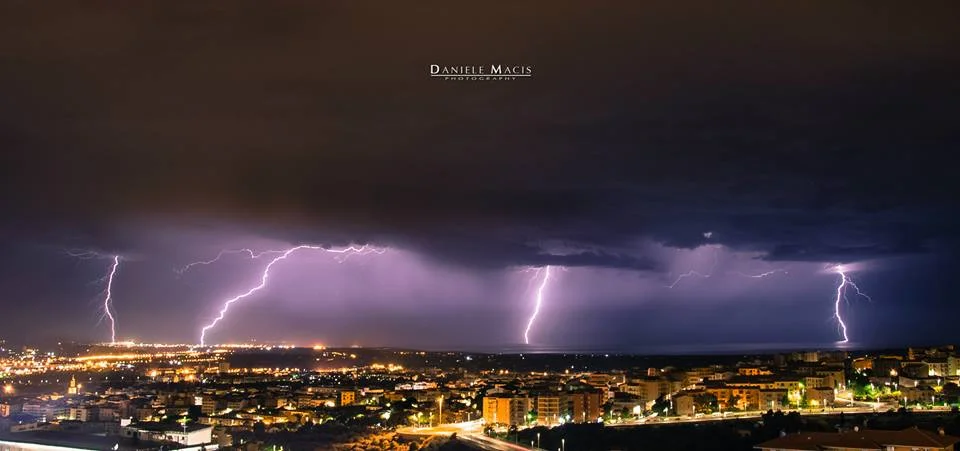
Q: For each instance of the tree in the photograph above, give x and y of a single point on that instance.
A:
(660, 405)
(705, 403)
(733, 403)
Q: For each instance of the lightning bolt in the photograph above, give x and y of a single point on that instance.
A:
(692, 273)
(265, 276)
(108, 299)
(83, 254)
(539, 298)
(763, 274)
(250, 252)
(845, 280)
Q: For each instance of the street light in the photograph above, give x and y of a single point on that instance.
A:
(538, 439)
(563, 444)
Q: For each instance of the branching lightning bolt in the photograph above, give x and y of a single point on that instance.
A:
(692, 273)
(265, 276)
(842, 295)
(84, 254)
(107, 303)
(539, 299)
(250, 252)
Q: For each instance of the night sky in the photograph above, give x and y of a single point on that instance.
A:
(653, 139)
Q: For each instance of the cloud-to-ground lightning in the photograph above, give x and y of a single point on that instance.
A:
(253, 255)
(107, 303)
(545, 271)
(108, 299)
(265, 276)
(845, 281)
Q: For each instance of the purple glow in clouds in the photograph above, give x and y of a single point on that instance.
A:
(344, 253)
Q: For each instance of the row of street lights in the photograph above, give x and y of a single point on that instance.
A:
(563, 443)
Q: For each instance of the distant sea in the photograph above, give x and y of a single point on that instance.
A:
(672, 349)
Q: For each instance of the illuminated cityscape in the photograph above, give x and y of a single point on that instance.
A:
(245, 395)
(479, 226)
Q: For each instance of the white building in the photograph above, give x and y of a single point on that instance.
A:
(192, 435)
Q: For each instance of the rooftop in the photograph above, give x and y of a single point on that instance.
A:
(867, 439)
(75, 440)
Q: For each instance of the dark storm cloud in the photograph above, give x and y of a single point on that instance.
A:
(805, 131)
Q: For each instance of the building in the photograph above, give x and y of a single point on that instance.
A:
(918, 395)
(937, 367)
(54, 441)
(745, 398)
(82, 414)
(208, 405)
(73, 388)
(44, 411)
(347, 397)
(753, 371)
(820, 396)
(887, 365)
(862, 363)
(189, 435)
(953, 366)
(685, 404)
(7, 409)
(584, 407)
(815, 381)
(834, 378)
(506, 410)
(649, 389)
(905, 440)
(915, 370)
(722, 394)
(773, 399)
(548, 410)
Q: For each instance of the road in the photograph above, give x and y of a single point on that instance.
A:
(861, 409)
(470, 432)
(489, 443)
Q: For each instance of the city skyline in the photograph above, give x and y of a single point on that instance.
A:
(695, 175)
